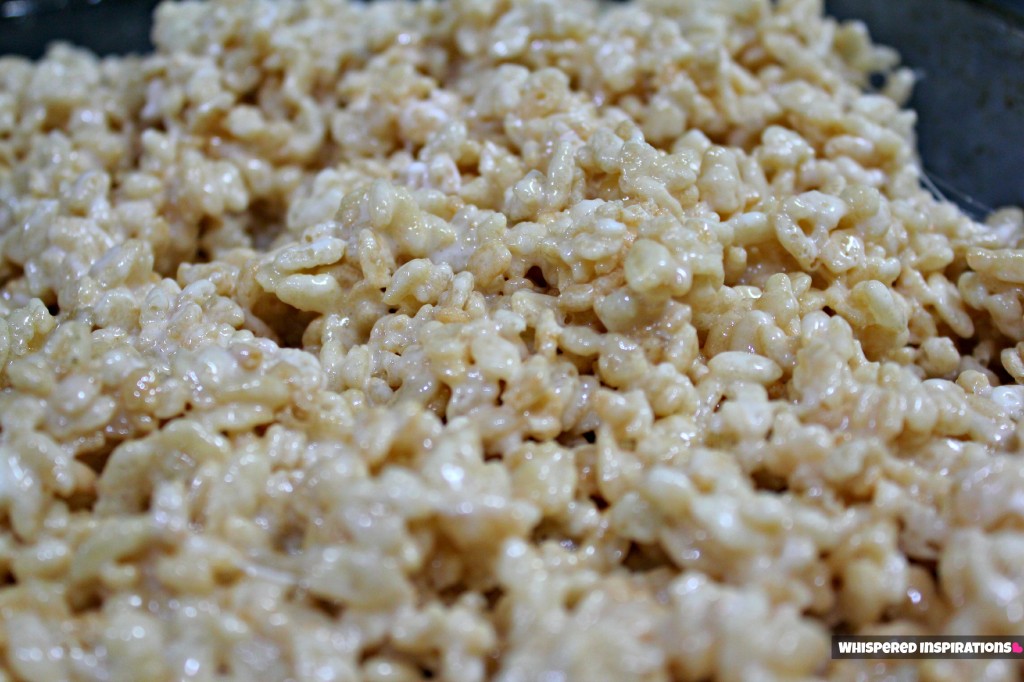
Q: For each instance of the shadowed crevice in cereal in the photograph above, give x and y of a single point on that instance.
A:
(768, 481)
(266, 221)
(645, 558)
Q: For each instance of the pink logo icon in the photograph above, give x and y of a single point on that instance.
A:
(1017, 648)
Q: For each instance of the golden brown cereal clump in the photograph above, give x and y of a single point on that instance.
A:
(523, 340)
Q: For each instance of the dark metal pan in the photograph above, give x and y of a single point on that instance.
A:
(969, 59)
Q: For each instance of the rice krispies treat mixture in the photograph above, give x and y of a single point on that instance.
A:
(480, 339)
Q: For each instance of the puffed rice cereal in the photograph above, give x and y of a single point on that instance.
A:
(514, 340)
